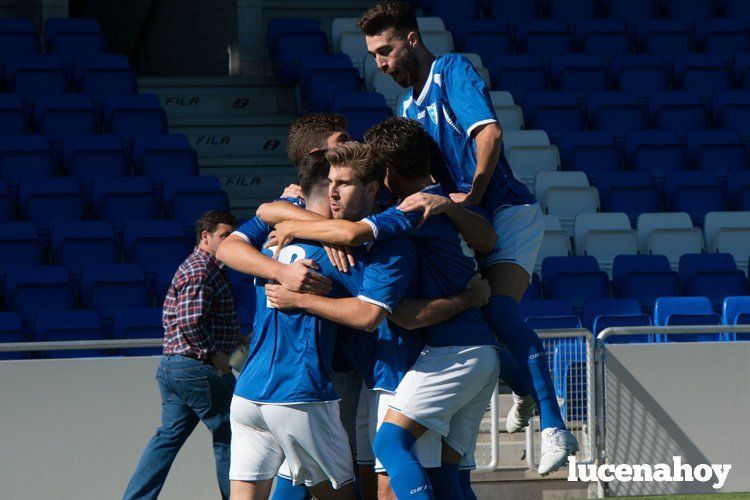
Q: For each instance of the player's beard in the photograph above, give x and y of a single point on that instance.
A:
(407, 73)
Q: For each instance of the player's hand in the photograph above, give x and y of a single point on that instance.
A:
(464, 199)
(280, 298)
(292, 191)
(340, 256)
(243, 341)
(430, 204)
(300, 276)
(478, 290)
(281, 236)
(220, 360)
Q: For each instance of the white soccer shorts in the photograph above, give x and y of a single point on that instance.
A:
(347, 385)
(448, 390)
(309, 435)
(520, 231)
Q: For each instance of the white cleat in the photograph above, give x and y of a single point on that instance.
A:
(520, 413)
(557, 445)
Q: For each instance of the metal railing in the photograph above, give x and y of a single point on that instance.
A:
(70, 345)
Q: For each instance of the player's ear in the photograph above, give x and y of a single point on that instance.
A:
(413, 38)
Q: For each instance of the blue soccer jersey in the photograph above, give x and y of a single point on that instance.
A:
(454, 101)
(446, 263)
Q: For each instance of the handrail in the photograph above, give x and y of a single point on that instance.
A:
(79, 344)
(680, 330)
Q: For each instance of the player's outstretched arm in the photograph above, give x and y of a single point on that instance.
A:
(412, 314)
(488, 139)
(334, 232)
(275, 212)
(350, 311)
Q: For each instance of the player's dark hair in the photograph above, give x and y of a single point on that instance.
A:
(366, 164)
(388, 14)
(313, 173)
(210, 220)
(404, 145)
(310, 132)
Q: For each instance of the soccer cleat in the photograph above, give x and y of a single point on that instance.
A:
(557, 444)
(520, 413)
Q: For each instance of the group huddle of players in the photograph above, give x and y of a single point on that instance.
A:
(376, 340)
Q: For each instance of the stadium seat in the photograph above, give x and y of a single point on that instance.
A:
(628, 192)
(12, 118)
(279, 26)
(546, 37)
(58, 117)
(54, 27)
(694, 192)
(147, 243)
(677, 110)
(353, 44)
(91, 157)
(545, 308)
(736, 311)
(76, 244)
(721, 36)
(738, 182)
(246, 321)
(512, 11)
(592, 152)
(594, 308)
(17, 38)
(24, 157)
(11, 330)
(518, 74)
(670, 234)
(139, 324)
(603, 37)
(30, 290)
(104, 75)
(19, 246)
(529, 152)
(65, 326)
(73, 37)
(509, 114)
(567, 202)
(451, 12)
(674, 311)
(553, 112)
(574, 278)
(187, 198)
(552, 266)
(705, 73)
(134, 115)
(616, 112)
(344, 102)
(122, 199)
(642, 73)
(689, 10)
(742, 71)
(323, 76)
(556, 242)
(6, 202)
(553, 322)
(293, 47)
(731, 109)
(717, 150)
(580, 73)
(165, 272)
(655, 152)
(713, 275)
(572, 10)
(663, 37)
(644, 278)
(107, 288)
(160, 157)
(490, 35)
(631, 10)
(737, 9)
(362, 119)
(243, 290)
(388, 87)
(34, 76)
(49, 200)
(547, 180)
(605, 321)
(604, 236)
(438, 42)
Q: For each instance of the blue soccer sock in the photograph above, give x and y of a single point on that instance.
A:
(393, 447)
(528, 351)
(464, 479)
(445, 482)
(285, 490)
(510, 373)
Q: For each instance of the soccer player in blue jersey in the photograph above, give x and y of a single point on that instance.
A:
(452, 103)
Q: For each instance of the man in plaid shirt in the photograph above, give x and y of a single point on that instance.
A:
(196, 382)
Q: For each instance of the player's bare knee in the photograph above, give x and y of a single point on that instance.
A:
(384, 488)
(325, 491)
(508, 279)
(449, 455)
(401, 420)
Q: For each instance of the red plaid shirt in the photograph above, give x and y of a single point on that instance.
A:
(199, 315)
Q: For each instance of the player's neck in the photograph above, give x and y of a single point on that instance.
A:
(319, 206)
(411, 186)
(426, 59)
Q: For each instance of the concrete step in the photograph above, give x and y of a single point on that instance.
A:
(256, 144)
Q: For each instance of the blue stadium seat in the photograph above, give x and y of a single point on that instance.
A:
(91, 157)
(243, 290)
(604, 37)
(107, 288)
(472, 34)
(34, 76)
(63, 116)
(644, 278)
(738, 182)
(689, 10)
(55, 26)
(165, 271)
(278, 26)
(122, 199)
(640, 73)
(543, 36)
(631, 10)
(139, 324)
(103, 75)
(73, 37)
(655, 152)
(537, 308)
(24, 157)
(11, 330)
(518, 74)
(663, 37)
(345, 102)
(674, 311)
(553, 112)
(160, 157)
(19, 246)
(616, 112)
(30, 290)
(323, 76)
(451, 12)
(736, 311)
(574, 278)
(677, 110)
(582, 73)
(594, 308)
(731, 109)
(552, 266)
(553, 322)
(362, 119)
(147, 243)
(721, 36)
(717, 150)
(12, 118)
(246, 321)
(629, 192)
(737, 9)
(605, 321)
(742, 71)
(76, 244)
(572, 10)
(293, 48)
(694, 192)
(712, 275)
(49, 200)
(6, 202)
(134, 115)
(592, 152)
(705, 73)
(187, 198)
(65, 326)
(17, 38)
(512, 11)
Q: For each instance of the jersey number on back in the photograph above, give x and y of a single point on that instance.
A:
(287, 255)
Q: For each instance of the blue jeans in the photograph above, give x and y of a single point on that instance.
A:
(191, 391)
